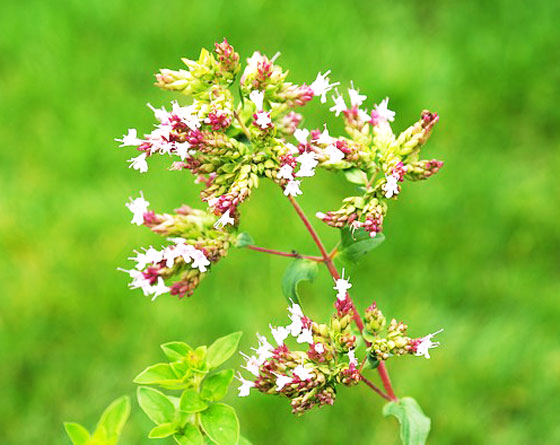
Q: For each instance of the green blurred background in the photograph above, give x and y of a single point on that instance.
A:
(474, 250)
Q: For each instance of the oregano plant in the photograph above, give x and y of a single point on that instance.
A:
(240, 125)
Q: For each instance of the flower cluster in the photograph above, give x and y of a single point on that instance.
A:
(307, 377)
(196, 243)
(392, 340)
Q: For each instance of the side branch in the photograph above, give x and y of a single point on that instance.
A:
(292, 254)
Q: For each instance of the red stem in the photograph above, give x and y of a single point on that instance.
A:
(375, 388)
(381, 369)
(286, 254)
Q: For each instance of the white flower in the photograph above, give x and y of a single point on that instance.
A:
(339, 105)
(295, 310)
(341, 286)
(257, 97)
(245, 387)
(138, 280)
(391, 187)
(295, 326)
(199, 260)
(319, 348)
(186, 251)
(356, 99)
(302, 372)
(224, 220)
(308, 162)
(286, 172)
(306, 336)
(292, 188)
(426, 344)
(139, 163)
(324, 138)
(281, 381)
(293, 149)
(170, 254)
(160, 114)
(301, 135)
(251, 364)
(264, 351)
(130, 139)
(138, 207)
(280, 334)
(182, 149)
(321, 86)
(263, 120)
(383, 112)
(363, 115)
(352, 357)
(335, 155)
(159, 288)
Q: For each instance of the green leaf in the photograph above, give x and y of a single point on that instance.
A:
(77, 433)
(216, 386)
(158, 374)
(175, 350)
(156, 405)
(191, 436)
(115, 416)
(191, 402)
(244, 240)
(356, 176)
(220, 424)
(415, 426)
(161, 431)
(299, 270)
(243, 441)
(222, 349)
(356, 243)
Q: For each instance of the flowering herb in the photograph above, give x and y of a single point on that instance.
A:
(238, 126)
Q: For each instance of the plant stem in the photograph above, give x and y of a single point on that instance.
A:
(381, 369)
(375, 388)
(242, 125)
(286, 254)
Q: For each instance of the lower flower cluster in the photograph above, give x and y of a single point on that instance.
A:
(308, 378)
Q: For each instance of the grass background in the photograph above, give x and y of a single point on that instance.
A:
(474, 250)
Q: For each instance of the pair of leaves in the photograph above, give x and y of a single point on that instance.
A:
(108, 428)
(185, 361)
(414, 425)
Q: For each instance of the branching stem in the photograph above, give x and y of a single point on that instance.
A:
(328, 260)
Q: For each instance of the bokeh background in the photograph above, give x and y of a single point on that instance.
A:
(474, 250)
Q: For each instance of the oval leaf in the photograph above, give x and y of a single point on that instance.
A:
(160, 373)
(356, 243)
(77, 433)
(115, 416)
(222, 349)
(216, 386)
(299, 270)
(175, 350)
(191, 402)
(220, 424)
(156, 405)
(415, 426)
(161, 431)
(191, 436)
